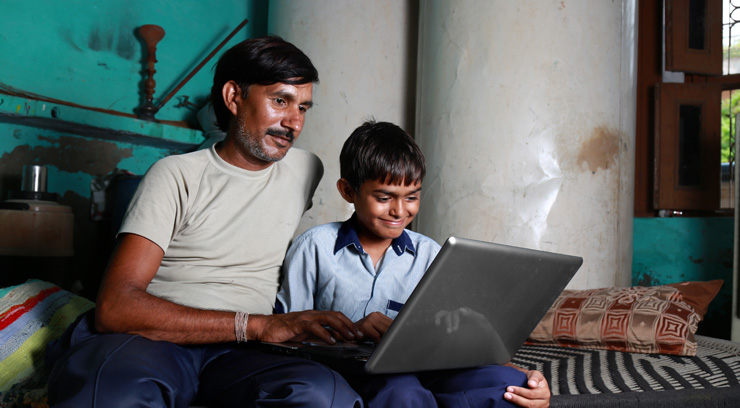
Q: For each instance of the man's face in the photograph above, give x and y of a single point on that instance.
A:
(384, 210)
(269, 120)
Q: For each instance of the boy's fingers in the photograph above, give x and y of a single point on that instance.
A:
(368, 330)
(528, 397)
(374, 335)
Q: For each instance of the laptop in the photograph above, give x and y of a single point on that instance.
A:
(476, 305)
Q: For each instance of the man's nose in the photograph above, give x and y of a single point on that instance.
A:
(293, 120)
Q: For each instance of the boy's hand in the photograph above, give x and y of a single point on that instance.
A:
(537, 395)
(374, 325)
(298, 326)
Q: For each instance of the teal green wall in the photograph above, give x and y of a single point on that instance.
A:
(668, 250)
(88, 53)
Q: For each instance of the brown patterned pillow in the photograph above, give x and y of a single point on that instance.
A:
(641, 319)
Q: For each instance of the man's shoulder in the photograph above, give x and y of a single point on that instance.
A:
(184, 161)
(302, 158)
(172, 169)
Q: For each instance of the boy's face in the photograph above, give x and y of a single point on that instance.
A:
(383, 210)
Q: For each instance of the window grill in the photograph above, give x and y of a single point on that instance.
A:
(730, 100)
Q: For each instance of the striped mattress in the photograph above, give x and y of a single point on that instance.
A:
(583, 377)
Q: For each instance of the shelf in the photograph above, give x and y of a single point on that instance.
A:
(100, 125)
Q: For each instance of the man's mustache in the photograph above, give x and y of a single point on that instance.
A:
(287, 134)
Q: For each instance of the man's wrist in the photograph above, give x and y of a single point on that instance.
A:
(241, 320)
(256, 326)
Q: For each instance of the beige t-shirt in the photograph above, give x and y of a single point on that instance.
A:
(224, 230)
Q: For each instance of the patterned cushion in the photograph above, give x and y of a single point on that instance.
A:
(657, 319)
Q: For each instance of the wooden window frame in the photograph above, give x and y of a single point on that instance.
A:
(650, 69)
(669, 193)
(678, 55)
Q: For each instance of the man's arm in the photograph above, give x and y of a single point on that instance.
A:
(124, 306)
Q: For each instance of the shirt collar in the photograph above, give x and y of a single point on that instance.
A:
(347, 236)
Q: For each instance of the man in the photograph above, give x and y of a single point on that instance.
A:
(197, 262)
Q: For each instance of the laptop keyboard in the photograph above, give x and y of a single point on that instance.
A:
(344, 349)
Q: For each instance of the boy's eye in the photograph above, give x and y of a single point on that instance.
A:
(382, 199)
(280, 101)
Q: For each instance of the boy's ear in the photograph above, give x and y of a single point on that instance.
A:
(347, 192)
(231, 94)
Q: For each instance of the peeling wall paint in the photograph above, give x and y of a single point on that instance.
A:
(91, 55)
(72, 163)
(70, 154)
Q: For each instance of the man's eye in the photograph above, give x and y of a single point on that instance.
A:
(280, 101)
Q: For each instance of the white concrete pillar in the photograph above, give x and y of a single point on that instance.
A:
(526, 112)
(365, 52)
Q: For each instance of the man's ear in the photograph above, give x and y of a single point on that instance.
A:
(231, 94)
(347, 192)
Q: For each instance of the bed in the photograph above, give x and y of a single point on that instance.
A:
(628, 347)
(595, 347)
(609, 378)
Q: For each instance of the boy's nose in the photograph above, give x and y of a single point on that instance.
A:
(396, 209)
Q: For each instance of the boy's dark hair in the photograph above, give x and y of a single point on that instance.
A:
(262, 61)
(381, 151)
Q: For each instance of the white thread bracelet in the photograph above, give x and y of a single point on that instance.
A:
(240, 326)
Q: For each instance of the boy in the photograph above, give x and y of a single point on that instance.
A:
(367, 267)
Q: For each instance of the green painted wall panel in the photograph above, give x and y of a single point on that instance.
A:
(72, 161)
(668, 250)
(89, 52)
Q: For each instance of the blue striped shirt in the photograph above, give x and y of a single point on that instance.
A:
(327, 269)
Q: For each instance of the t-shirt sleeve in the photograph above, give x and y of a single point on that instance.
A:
(299, 271)
(309, 169)
(157, 205)
(318, 172)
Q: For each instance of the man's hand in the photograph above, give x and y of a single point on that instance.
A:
(298, 326)
(374, 325)
(537, 395)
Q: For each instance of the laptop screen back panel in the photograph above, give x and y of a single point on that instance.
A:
(476, 305)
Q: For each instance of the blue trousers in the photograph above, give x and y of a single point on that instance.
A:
(471, 387)
(121, 370)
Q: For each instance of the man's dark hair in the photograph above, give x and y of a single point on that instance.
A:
(262, 61)
(381, 151)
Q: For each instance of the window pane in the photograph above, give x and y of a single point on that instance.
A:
(697, 20)
(731, 16)
(689, 157)
(730, 110)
